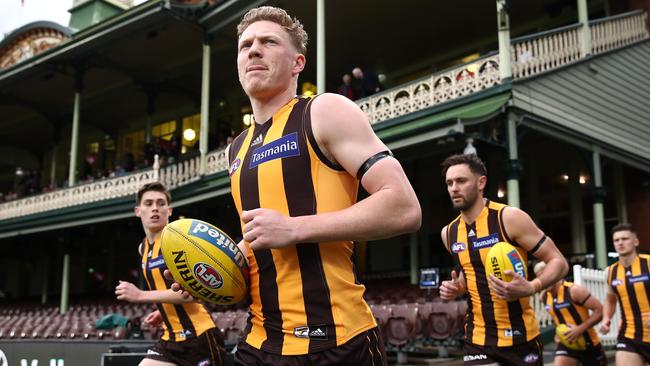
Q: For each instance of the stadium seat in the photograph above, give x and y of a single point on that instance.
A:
(442, 320)
(382, 313)
(401, 326)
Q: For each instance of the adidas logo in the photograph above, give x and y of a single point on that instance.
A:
(257, 141)
(317, 333)
(471, 232)
(628, 273)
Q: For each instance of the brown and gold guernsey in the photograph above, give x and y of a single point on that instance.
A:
(180, 321)
(566, 310)
(632, 287)
(305, 297)
(490, 321)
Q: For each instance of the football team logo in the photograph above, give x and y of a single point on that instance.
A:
(458, 247)
(234, 166)
(207, 275)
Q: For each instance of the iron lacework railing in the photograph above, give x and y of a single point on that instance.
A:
(530, 55)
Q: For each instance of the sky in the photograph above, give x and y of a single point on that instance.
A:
(16, 13)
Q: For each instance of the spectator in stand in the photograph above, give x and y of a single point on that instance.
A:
(365, 83)
(346, 88)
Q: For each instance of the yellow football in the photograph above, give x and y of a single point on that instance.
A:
(579, 345)
(501, 257)
(205, 261)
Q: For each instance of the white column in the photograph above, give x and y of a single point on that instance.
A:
(599, 213)
(576, 215)
(45, 262)
(65, 286)
(585, 33)
(53, 167)
(205, 105)
(514, 166)
(74, 139)
(320, 46)
(503, 24)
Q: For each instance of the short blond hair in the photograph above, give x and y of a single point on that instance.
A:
(278, 16)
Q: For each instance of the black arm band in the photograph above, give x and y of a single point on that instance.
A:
(539, 244)
(371, 161)
(584, 301)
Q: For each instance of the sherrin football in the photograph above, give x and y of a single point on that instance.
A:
(502, 257)
(205, 261)
(579, 345)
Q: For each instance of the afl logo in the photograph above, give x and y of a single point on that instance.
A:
(458, 247)
(207, 275)
(617, 282)
(235, 165)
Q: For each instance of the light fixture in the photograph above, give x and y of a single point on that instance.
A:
(501, 193)
(565, 177)
(582, 179)
(19, 171)
(247, 119)
(469, 149)
(189, 134)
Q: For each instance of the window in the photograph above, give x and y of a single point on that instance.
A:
(164, 130)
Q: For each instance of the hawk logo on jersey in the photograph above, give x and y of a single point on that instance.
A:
(284, 147)
(458, 247)
(617, 282)
(234, 166)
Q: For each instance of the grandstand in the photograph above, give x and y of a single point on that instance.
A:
(553, 97)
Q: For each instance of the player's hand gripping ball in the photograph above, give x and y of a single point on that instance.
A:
(205, 261)
(502, 257)
(578, 345)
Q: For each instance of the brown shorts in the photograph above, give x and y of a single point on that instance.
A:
(525, 354)
(593, 355)
(365, 349)
(629, 345)
(204, 350)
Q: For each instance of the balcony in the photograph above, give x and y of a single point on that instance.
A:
(530, 56)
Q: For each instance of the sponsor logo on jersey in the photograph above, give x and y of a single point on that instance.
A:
(562, 305)
(208, 276)
(517, 263)
(156, 263)
(474, 357)
(485, 241)
(284, 147)
(640, 278)
(234, 166)
(458, 247)
(314, 332)
(512, 332)
(531, 358)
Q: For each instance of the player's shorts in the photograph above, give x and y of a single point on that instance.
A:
(204, 350)
(365, 349)
(524, 354)
(629, 345)
(593, 355)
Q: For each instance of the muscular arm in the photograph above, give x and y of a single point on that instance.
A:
(129, 292)
(582, 296)
(521, 229)
(345, 136)
(609, 308)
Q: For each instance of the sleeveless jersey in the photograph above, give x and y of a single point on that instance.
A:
(565, 310)
(180, 321)
(632, 288)
(490, 321)
(305, 296)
